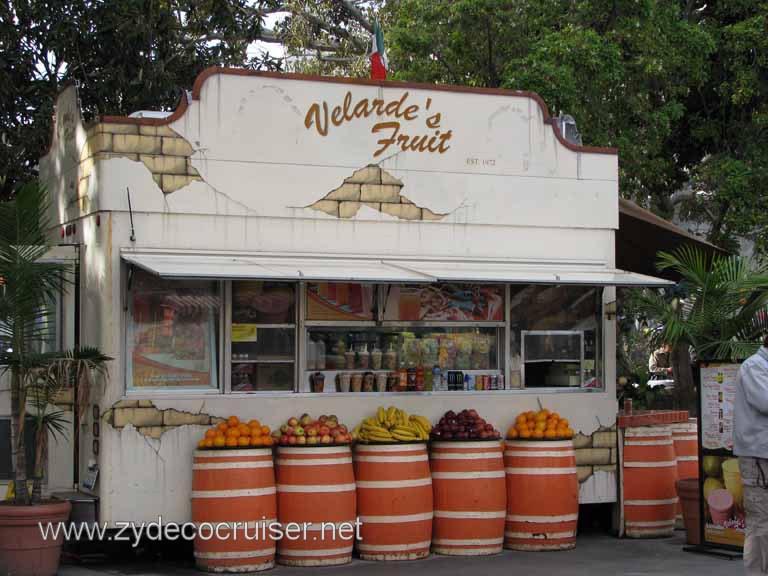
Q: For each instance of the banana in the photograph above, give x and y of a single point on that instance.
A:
(426, 424)
(381, 415)
(391, 411)
(404, 437)
(371, 422)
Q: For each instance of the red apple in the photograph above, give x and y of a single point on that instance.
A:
(343, 428)
(322, 419)
(301, 439)
(293, 421)
(305, 419)
(292, 439)
(311, 431)
(331, 423)
(312, 439)
(326, 439)
(284, 428)
(324, 431)
(289, 431)
(283, 440)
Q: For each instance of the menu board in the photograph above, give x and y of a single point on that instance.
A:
(172, 334)
(340, 301)
(720, 483)
(445, 302)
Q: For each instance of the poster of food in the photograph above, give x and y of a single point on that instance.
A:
(721, 488)
(333, 301)
(172, 335)
(445, 302)
(255, 302)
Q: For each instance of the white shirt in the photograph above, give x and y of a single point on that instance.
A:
(750, 416)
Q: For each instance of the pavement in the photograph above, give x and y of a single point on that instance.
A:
(595, 554)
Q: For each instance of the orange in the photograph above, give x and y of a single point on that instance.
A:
(521, 419)
(550, 433)
(254, 423)
(243, 441)
(268, 440)
(219, 441)
(222, 426)
(209, 443)
(210, 433)
(525, 433)
(231, 441)
(201, 444)
(265, 430)
(233, 421)
(531, 425)
(541, 416)
(541, 425)
(219, 434)
(244, 430)
(538, 434)
(512, 433)
(257, 441)
(233, 432)
(255, 431)
(564, 422)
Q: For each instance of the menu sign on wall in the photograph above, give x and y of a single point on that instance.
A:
(445, 302)
(720, 482)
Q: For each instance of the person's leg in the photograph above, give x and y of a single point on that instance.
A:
(756, 509)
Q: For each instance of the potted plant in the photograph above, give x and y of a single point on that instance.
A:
(720, 311)
(37, 374)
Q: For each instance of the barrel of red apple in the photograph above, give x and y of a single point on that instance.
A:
(542, 495)
(230, 486)
(394, 501)
(316, 485)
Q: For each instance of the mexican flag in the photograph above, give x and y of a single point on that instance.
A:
(378, 56)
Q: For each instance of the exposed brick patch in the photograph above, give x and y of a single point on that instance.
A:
(152, 422)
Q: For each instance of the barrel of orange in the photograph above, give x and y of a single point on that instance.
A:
(228, 487)
(394, 501)
(542, 495)
(685, 439)
(649, 477)
(316, 485)
(470, 498)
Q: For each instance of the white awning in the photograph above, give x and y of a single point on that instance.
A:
(184, 265)
(553, 273)
(362, 269)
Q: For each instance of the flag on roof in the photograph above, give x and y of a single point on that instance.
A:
(378, 55)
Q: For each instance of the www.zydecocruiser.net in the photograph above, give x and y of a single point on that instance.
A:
(263, 529)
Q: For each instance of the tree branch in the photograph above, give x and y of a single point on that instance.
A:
(356, 14)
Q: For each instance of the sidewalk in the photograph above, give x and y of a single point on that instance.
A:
(594, 555)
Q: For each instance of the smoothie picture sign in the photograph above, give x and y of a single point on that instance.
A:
(720, 481)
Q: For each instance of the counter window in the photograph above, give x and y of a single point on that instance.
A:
(263, 336)
(173, 333)
(555, 336)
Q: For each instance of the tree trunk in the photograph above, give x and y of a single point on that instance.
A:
(41, 449)
(18, 405)
(682, 371)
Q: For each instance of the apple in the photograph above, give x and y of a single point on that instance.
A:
(472, 413)
(324, 430)
(301, 439)
(305, 420)
(298, 431)
(292, 439)
(311, 431)
(331, 423)
(489, 428)
(289, 431)
(326, 439)
(276, 434)
(284, 428)
(283, 440)
(293, 422)
(344, 429)
(322, 419)
(311, 439)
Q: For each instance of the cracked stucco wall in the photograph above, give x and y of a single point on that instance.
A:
(152, 422)
(377, 189)
(164, 152)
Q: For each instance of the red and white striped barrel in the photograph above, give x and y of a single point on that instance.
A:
(470, 498)
(231, 486)
(316, 485)
(542, 495)
(394, 501)
(649, 480)
(685, 437)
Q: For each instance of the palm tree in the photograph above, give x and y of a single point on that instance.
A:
(719, 309)
(28, 287)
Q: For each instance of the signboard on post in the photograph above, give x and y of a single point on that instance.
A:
(720, 487)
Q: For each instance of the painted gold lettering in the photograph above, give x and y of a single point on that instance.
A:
(336, 116)
(434, 121)
(347, 104)
(361, 109)
(313, 117)
(411, 112)
(386, 142)
(378, 107)
(393, 108)
(443, 148)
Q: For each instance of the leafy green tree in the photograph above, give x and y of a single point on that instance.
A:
(679, 88)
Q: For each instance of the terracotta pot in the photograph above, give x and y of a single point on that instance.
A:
(688, 491)
(23, 551)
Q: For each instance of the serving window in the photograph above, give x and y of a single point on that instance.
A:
(244, 336)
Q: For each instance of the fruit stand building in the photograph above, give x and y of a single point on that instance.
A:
(283, 244)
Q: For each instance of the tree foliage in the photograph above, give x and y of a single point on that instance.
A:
(129, 55)
(679, 87)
